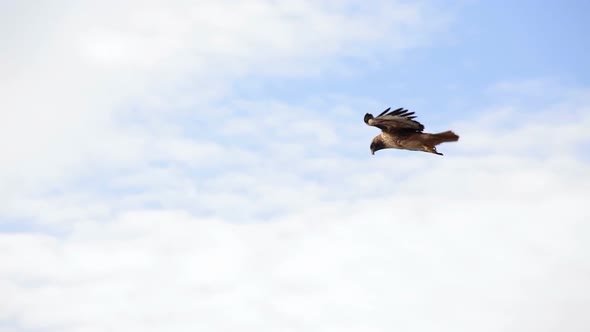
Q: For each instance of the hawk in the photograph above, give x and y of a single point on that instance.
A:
(399, 130)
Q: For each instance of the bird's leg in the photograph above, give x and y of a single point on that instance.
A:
(436, 152)
(431, 149)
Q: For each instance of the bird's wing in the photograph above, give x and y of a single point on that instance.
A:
(394, 121)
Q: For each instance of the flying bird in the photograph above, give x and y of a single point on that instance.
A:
(399, 130)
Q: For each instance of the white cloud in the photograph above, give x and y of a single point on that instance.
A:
(428, 259)
(144, 195)
(459, 243)
(85, 85)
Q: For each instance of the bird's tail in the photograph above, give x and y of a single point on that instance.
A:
(446, 136)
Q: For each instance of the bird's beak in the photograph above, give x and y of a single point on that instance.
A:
(373, 152)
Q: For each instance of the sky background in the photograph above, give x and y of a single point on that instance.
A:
(203, 166)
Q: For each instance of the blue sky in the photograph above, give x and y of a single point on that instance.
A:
(485, 42)
(206, 165)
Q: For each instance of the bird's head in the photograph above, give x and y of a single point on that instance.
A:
(377, 144)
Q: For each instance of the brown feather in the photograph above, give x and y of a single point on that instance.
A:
(401, 131)
(394, 121)
(446, 136)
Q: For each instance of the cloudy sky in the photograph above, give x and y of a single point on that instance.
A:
(203, 166)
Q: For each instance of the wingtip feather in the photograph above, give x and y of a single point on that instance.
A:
(387, 110)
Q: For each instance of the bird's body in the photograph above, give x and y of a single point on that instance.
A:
(399, 130)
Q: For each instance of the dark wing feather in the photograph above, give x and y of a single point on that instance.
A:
(393, 121)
